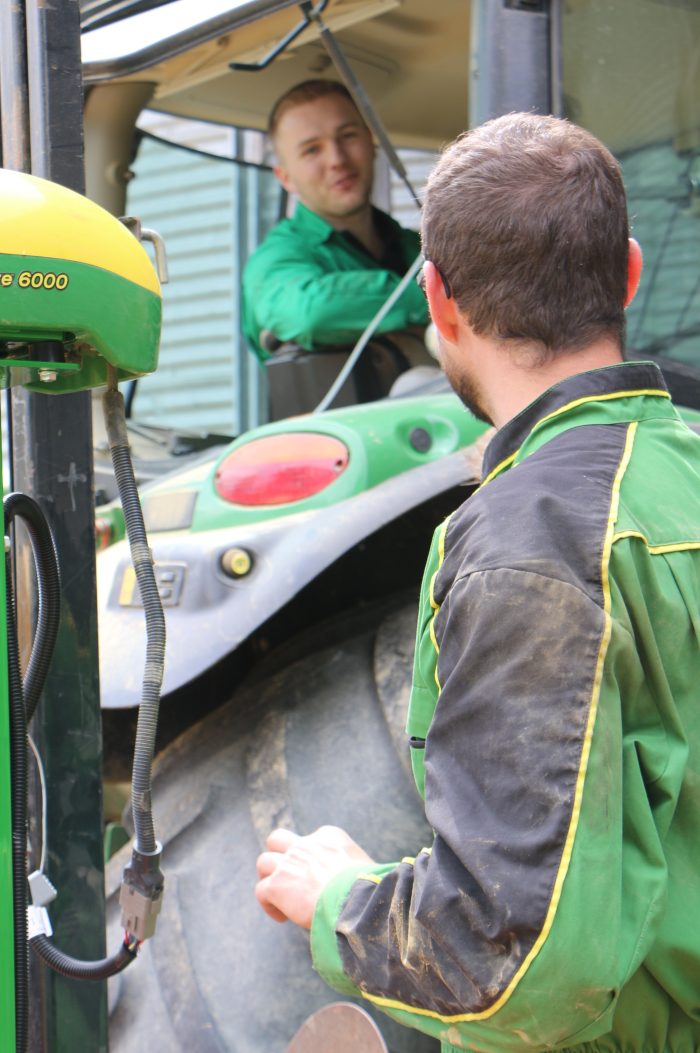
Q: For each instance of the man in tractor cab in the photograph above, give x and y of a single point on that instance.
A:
(320, 276)
(554, 721)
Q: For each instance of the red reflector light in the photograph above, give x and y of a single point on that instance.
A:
(280, 469)
(103, 533)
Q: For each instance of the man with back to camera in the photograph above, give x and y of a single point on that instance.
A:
(553, 719)
(320, 277)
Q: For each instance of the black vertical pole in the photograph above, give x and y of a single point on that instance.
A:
(14, 118)
(52, 460)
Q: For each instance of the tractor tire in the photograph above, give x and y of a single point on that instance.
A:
(315, 736)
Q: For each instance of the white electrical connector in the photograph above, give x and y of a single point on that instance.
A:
(41, 889)
(38, 922)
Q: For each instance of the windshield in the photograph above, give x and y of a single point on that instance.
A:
(210, 193)
(211, 210)
(641, 99)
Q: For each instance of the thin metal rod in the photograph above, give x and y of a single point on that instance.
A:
(38, 84)
(367, 335)
(13, 86)
(555, 75)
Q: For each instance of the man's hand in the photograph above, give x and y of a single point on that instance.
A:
(294, 870)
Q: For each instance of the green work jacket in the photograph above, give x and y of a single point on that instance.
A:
(555, 730)
(318, 287)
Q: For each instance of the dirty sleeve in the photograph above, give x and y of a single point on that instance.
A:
(514, 926)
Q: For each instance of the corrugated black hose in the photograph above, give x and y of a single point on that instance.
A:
(101, 969)
(18, 769)
(22, 506)
(23, 700)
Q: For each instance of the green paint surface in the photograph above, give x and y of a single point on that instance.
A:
(99, 316)
(380, 439)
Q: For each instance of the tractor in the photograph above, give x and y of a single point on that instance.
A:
(287, 559)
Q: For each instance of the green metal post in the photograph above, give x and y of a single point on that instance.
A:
(14, 140)
(7, 952)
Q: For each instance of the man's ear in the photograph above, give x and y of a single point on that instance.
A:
(634, 270)
(282, 177)
(443, 309)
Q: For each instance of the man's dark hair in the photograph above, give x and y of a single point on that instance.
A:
(526, 218)
(307, 91)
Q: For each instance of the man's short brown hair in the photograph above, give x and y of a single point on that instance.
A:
(307, 91)
(526, 218)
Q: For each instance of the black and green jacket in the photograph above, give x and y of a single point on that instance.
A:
(555, 725)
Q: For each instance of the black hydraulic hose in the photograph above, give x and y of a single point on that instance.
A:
(101, 969)
(18, 767)
(22, 506)
(144, 749)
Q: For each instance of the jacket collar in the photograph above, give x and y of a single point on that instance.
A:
(619, 381)
(315, 229)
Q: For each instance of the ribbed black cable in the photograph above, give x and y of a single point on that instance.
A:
(22, 506)
(18, 768)
(155, 622)
(101, 969)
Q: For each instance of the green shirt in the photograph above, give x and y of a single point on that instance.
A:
(555, 727)
(319, 287)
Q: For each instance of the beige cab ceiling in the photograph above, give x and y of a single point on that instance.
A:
(411, 57)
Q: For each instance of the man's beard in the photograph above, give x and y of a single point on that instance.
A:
(469, 392)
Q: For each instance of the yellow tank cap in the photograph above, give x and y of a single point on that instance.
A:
(40, 218)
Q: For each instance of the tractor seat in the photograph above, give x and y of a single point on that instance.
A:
(298, 379)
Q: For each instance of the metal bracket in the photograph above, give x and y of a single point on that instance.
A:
(133, 223)
(254, 67)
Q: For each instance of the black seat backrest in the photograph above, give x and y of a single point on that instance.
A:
(299, 379)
